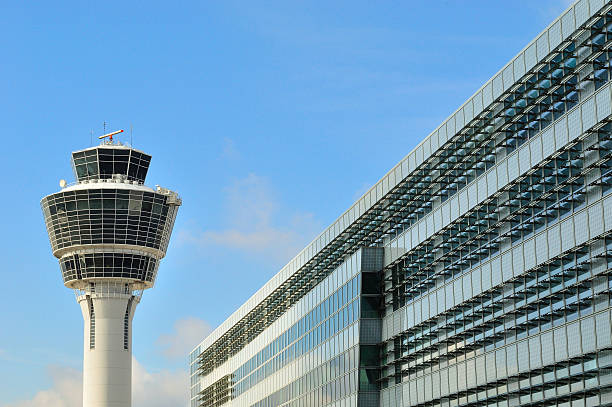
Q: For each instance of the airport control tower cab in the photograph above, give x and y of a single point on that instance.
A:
(109, 232)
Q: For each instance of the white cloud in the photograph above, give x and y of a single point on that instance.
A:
(257, 223)
(161, 388)
(150, 388)
(188, 332)
(66, 391)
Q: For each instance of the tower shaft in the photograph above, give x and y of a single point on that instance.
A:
(108, 309)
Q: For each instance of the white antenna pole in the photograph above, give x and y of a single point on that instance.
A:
(131, 134)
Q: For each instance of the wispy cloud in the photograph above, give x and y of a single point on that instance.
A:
(187, 333)
(229, 150)
(149, 389)
(162, 388)
(66, 390)
(257, 223)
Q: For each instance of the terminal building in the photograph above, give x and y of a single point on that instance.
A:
(476, 272)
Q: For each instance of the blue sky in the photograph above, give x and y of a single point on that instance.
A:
(269, 118)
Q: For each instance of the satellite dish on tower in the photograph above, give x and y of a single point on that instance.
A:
(62, 183)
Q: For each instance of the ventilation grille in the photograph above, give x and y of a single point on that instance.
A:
(92, 324)
(126, 325)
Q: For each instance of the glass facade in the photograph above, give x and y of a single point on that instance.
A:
(310, 354)
(84, 225)
(140, 267)
(108, 161)
(476, 272)
(108, 216)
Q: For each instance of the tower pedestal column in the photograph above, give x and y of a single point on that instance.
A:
(107, 361)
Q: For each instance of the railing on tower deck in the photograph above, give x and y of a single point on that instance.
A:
(109, 289)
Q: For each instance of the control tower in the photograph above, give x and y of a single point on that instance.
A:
(109, 232)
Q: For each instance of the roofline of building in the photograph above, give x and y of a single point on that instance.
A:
(108, 145)
(102, 184)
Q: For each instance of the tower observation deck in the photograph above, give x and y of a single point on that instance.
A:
(109, 232)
